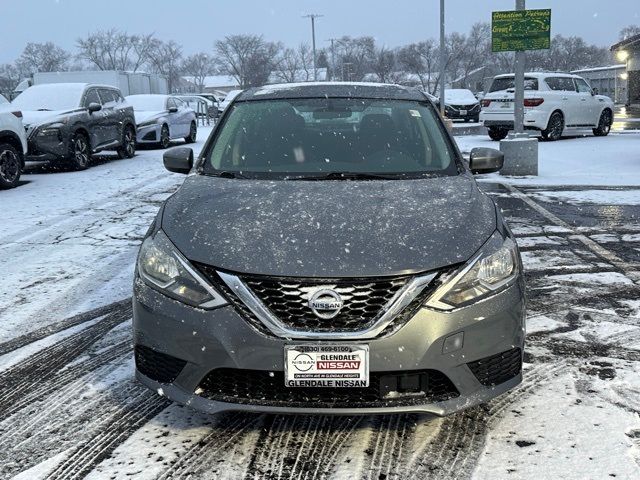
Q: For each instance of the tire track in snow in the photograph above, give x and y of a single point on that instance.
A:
(66, 376)
(112, 432)
(300, 447)
(57, 327)
(228, 431)
(26, 376)
(453, 451)
(66, 222)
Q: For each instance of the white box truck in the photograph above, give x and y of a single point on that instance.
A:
(129, 83)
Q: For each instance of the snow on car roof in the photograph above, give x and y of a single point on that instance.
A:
(51, 96)
(538, 75)
(332, 89)
(147, 102)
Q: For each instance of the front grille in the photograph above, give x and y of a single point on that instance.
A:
(386, 389)
(288, 300)
(158, 366)
(497, 369)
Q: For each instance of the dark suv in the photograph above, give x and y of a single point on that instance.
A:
(71, 121)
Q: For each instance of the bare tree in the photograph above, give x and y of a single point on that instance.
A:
(629, 31)
(288, 66)
(198, 66)
(165, 58)
(419, 59)
(10, 77)
(354, 56)
(383, 64)
(115, 50)
(248, 58)
(42, 57)
(305, 55)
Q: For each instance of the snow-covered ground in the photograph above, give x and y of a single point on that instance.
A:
(612, 160)
(69, 406)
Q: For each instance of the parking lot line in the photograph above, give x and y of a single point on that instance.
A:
(591, 244)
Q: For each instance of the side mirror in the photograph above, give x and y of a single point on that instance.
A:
(173, 109)
(485, 160)
(594, 91)
(178, 160)
(94, 107)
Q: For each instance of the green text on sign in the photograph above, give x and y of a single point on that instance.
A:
(518, 30)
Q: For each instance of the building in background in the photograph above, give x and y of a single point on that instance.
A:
(628, 51)
(610, 81)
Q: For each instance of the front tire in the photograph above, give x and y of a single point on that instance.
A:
(193, 133)
(604, 124)
(497, 133)
(80, 152)
(10, 166)
(128, 147)
(165, 139)
(555, 127)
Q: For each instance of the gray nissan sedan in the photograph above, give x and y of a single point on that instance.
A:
(329, 252)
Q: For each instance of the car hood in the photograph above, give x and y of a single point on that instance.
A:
(145, 115)
(33, 118)
(329, 228)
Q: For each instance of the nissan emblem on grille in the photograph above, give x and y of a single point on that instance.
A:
(325, 303)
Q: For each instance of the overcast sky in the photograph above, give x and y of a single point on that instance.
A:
(196, 24)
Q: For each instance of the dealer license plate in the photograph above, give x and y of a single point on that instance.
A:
(326, 366)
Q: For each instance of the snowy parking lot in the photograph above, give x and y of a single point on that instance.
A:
(69, 406)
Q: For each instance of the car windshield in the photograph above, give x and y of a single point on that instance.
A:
(50, 97)
(316, 137)
(505, 83)
(149, 103)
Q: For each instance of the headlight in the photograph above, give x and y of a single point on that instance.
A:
(166, 270)
(148, 123)
(50, 130)
(493, 269)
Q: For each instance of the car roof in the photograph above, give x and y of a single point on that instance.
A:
(150, 95)
(540, 75)
(331, 89)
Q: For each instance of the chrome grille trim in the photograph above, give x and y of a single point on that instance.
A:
(395, 306)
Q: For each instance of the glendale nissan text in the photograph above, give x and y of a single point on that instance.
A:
(329, 252)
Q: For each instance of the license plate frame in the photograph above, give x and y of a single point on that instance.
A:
(326, 366)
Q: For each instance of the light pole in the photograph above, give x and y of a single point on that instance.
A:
(313, 17)
(519, 84)
(442, 58)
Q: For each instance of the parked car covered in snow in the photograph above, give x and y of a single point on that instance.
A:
(3, 100)
(13, 148)
(71, 121)
(554, 103)
(162, 118)
(461, 104)
(227, 99)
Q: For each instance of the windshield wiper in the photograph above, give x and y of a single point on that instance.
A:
(228, 174)
(44, 110)
(345, 176)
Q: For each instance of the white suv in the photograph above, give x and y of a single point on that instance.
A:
(13, 148)
(554, 103)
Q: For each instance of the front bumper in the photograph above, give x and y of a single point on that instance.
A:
(456, 115)
(221, 339)
(148, 134)
(47, 148)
